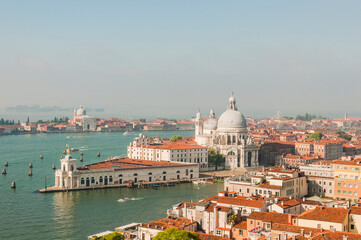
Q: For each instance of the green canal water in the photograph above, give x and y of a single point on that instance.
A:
(25, 214)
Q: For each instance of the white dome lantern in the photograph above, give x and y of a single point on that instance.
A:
(232, 118)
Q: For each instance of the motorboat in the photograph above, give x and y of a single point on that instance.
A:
(126, 133)
(124, 199)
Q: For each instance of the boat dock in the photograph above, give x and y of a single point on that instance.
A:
(53, 189)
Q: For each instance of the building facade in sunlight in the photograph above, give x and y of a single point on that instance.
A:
(229, 135)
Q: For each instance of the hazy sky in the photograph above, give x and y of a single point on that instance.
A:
(169, 58)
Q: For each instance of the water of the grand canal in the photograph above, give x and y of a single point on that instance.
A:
(75, 215)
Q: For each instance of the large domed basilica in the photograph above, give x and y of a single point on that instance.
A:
(229, 135)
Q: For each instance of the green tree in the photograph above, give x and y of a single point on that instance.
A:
(215, 158)
(317, 136)
(344, 135)
(113, 236)
(176, 234)
(287, 117)
(176, 138)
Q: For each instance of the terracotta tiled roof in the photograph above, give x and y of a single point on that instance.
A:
(127, 163)
(294, 229)
(188, 204)
(204, 236)
(329, 235)
(356, 210)
(348, 162)
(325, 214)
(270, 217)
(236, 201)
(241, 225)
(166, 223)
(289, 203)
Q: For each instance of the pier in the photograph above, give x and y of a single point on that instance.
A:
(142, 184)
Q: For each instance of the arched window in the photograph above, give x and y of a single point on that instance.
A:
(72, 168)
(231, 153)
(228, 139)
(82, 181)
(93, 180)
(234, 139)
(110, 178)
(150, 173)
(164, 172)
(120, 175)
(178, 171)
(64, 168)
(191, 170)
(135, 174)
(100, 179)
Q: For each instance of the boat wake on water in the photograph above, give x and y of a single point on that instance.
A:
(128, 199)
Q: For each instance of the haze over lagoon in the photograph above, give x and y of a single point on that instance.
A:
(167, 59)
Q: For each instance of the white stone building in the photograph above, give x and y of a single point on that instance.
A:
(86, 122)
(184, 151)
(320, 178)
(229, 136)
(120, 171)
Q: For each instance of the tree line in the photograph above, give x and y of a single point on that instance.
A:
(55, 120)
(305, 117)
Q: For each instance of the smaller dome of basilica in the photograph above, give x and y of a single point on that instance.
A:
(210, 124)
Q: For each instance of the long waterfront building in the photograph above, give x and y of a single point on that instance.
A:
(120, 171)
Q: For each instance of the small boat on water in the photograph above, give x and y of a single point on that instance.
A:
(127, 199)
(196, 182)
(74, 149)
(155, 186)
(126, 133)
(170, 184)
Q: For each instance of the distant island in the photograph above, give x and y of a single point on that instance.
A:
(81, 122)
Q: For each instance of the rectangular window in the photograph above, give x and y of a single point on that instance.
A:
(344, 192)
(339, 191)
(349, 193)
(356, 186)
(344, 185)
(352, 226)
(357, 169)
(350, 185)
(355, 193)
(339, 184)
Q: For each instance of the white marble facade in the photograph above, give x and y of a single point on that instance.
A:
(229, 135)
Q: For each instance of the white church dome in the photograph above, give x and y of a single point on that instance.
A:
(81, 111)
(232, 119)
(210, 124)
